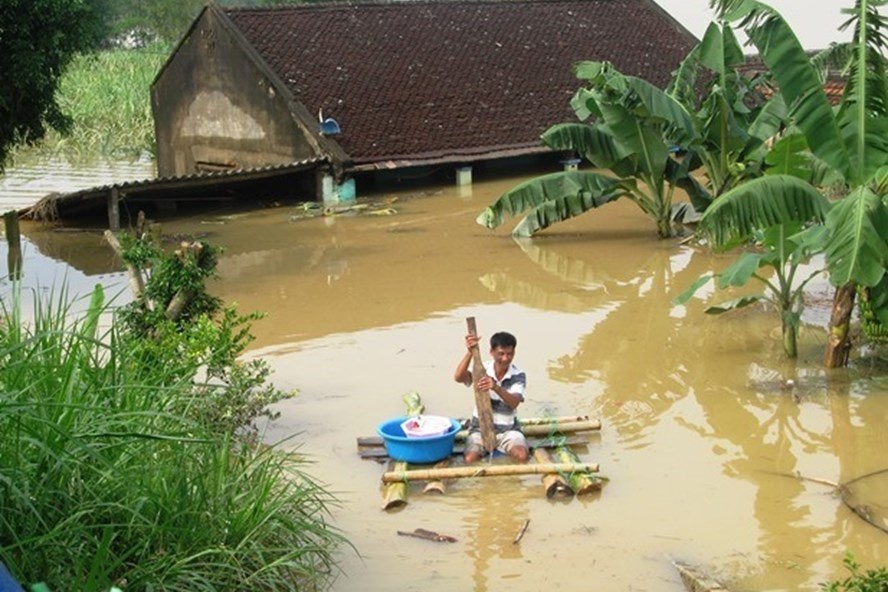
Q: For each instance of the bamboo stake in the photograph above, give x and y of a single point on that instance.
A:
(482, 399)
(396, 491)
(484, 471)
(553, 483)
(581, 482)
(437, 486)
(531, 431)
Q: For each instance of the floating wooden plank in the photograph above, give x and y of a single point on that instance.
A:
(429, 535)
(395, 491)
(485, 471)
(553, 483)
(379, 452)
(531, 430)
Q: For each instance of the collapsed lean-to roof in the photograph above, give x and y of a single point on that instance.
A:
(424, 81)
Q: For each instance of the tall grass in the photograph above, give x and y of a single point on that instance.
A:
(107, 96)
(104, 482)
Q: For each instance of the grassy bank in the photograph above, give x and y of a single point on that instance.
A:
(105, 480)
(107, 97)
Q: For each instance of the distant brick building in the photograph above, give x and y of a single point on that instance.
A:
(408, 83)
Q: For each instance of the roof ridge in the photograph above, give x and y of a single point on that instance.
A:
(334, 4)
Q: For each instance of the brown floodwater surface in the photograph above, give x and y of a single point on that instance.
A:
(713, 458)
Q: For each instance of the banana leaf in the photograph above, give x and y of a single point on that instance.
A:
(798, 79)
(592, 143)
(856, 250)
(736, 303)
(553, 198)
(762, 203)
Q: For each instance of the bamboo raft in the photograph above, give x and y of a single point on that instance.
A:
(549, 438)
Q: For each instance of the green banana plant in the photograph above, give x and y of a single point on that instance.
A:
(650, 141)
(851, 141)
(775, 260)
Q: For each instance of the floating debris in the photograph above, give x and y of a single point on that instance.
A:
(313, 209)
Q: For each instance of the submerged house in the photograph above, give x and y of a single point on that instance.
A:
(361, 87)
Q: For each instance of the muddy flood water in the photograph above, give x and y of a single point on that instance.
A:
(719, 452)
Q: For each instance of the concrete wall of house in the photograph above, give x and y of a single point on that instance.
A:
(214, 109)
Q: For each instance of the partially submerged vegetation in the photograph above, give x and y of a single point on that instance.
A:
(107, 97)
(128, 456)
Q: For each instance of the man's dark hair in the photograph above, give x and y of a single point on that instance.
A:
(502, 339)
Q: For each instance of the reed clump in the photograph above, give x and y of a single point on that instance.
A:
(107, 97)
(104, 481)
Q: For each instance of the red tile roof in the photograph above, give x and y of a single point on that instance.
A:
(424, 79)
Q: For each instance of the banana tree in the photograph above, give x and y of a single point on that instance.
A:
(651, 141)
(775, 261)
(851, 140)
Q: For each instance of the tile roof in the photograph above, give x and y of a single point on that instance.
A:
(423, 79)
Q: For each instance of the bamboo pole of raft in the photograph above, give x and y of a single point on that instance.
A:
(437, 486)
(485, 471)
(530, 430)
(565, 428)
(581, 482)
(527, 421)
(482, 399)
(395, 491)
(553, 483)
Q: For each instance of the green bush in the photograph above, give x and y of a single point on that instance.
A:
(871, 580)
(104, 481)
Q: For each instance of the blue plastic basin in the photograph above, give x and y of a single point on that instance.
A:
(416, 450)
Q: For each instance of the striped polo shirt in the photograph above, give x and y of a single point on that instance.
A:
(504, 417)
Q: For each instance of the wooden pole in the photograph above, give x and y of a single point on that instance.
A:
(553, 483)
(582, 482)
(482, 399)
(14, 240)
(114, 210)
(395, 491)
(484, 471)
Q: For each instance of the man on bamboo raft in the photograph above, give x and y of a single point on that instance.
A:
(505, 384)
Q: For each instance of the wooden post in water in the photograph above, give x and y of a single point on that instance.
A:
(14, 239)
(482, 399)
(114, 210)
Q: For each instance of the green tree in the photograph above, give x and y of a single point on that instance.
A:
(851, 141)
(651, 140)
(38, 39)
